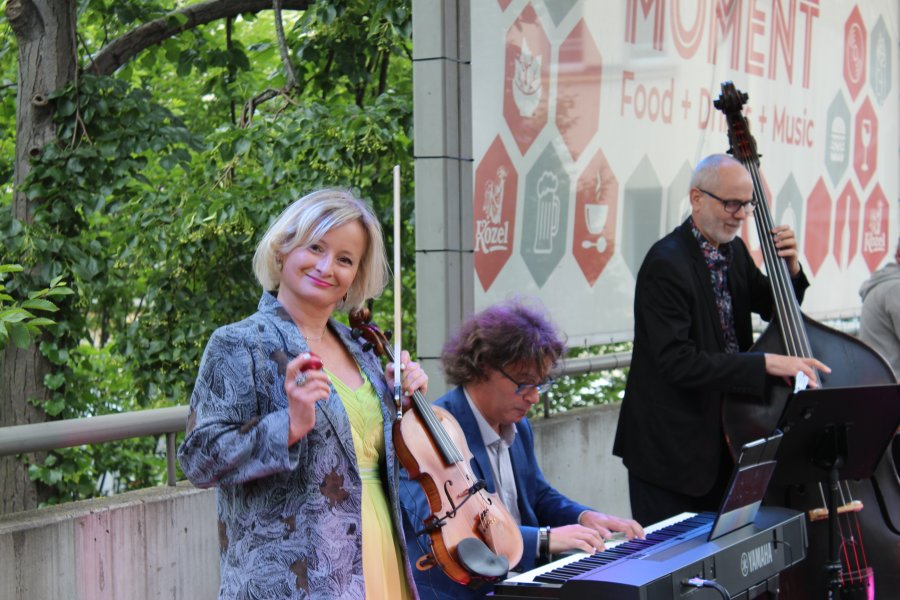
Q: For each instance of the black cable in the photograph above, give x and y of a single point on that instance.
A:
(707, 583)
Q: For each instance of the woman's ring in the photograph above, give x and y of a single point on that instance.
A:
(300, 379)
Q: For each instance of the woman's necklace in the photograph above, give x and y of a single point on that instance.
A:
(309, 338)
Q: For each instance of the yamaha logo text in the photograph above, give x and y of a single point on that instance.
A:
(755, 559)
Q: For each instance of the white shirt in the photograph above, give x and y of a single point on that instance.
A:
(497, 447)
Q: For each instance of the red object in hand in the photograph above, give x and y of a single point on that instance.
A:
(310, 362)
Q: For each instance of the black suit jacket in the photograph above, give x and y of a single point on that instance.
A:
(670, 426)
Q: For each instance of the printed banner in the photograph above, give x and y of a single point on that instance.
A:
(588, 118)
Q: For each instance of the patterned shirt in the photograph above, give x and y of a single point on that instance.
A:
(717, 261)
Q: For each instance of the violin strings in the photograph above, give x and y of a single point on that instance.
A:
(445, 442)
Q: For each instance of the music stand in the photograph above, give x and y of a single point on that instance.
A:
(832, 434)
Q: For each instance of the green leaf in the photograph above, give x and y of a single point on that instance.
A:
(60, 291)
(19, 334)
(55, 405)
(39, 304)
(41, 322)
(54, 380)
(242, 146)
(14, 315)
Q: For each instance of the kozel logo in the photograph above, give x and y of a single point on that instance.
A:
(755, 559)
(490, 236)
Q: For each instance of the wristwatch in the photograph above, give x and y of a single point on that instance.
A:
(544, 543)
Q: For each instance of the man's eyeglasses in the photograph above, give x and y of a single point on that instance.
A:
(732, 206)
(523, 388)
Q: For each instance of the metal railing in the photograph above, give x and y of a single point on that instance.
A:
(51, 435)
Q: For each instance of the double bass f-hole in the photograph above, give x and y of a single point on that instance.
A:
(473, 536)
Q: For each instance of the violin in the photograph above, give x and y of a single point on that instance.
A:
(474, 539)
(745, 418)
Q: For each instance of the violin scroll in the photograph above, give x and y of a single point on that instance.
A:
(362, 327)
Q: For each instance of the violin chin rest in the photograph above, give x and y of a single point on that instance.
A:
(481, 561)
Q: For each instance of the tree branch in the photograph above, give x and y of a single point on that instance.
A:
(124, 48)
(283, 47)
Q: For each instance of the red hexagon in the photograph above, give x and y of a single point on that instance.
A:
(875, 229)
(751, 238)
(855, 46)
(817, 226)
(846, 226)
(865, 143)
(578, 89)
(596, 200)
(494, 212)
(526, 78)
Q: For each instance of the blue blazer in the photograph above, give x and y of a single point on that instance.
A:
(540, 504)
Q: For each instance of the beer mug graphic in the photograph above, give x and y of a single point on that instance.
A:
(547, 213)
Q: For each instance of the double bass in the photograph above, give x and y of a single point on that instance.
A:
(868, 519)
(474, 538)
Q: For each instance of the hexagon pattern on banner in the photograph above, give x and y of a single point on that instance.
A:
(678, 198)
(855, 46)
(526, 87)
(865, 143)
(875, 229)
(846, 226)
(642, 214)
(818, 222)
(880, 74)
(789, 209)
(558, 9)
(545, 215)
(494, 212)
(578, 89)
(837, 138)
(596, 200)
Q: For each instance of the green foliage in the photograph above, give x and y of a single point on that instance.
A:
(153, 197)
(591, 389)
(17, 319)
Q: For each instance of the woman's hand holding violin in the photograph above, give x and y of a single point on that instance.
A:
(414, 376)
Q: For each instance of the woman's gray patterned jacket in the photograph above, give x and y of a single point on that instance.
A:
(289, 518)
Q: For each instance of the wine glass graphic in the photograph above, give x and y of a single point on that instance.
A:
(867, 141)
(595, 219)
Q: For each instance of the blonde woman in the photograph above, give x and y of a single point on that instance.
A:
(303, 459)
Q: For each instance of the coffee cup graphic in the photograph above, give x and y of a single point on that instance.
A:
(595, 216)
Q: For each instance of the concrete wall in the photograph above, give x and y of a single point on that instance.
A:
(575, 454)
(151, 544)
(162, 543)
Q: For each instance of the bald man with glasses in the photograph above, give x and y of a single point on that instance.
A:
(693, 300)
(500, 360)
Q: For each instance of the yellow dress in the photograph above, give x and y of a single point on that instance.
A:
(382, 561)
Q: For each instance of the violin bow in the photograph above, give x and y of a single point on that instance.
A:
(398, 311)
